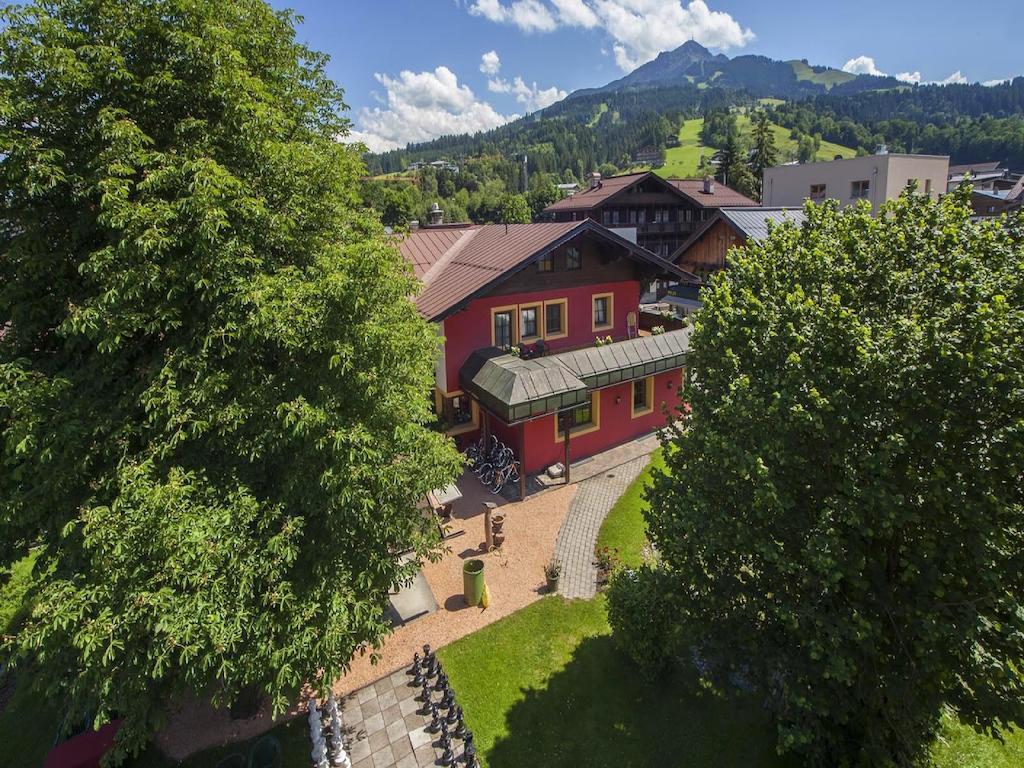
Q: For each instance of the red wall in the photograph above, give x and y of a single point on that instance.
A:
(616, 425)
(470, 330)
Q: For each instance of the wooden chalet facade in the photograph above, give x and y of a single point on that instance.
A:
(519, 309)
(704, 253)
(664, 212)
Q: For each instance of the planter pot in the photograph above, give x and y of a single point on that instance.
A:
(473, 581)
(497, 522)
(499, 539)
(552, 584)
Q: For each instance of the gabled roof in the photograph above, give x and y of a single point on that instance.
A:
(721, 196)
(516, 389)
(478, 258)
(594, 196)
(748, 223)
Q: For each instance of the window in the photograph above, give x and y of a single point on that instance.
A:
(528, 327)
(502, 327)
(817, 192)
(641, 216)
(927, 186)
(573, 260)
(859, 189)
(555, 319)
(602, 314)
(643, 397)
(606, 217)
(582, 419)
(546, 263)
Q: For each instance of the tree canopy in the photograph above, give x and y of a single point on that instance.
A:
(842, 513)
(213, 384)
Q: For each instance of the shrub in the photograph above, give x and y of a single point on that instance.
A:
(641, 627)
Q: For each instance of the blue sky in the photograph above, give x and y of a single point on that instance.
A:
(413, 69)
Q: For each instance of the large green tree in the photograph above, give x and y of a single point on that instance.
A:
(763, 151)
(842, 507)
(213, 384)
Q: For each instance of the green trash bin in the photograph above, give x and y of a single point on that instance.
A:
(473, 581)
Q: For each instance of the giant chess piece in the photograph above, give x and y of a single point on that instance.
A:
(454, 715)
(448, 700)
(425, 692)
(435, 722)
(433, 668)
(447, 756)
(313, 718)
(461, 731)
(469, 753)
(442, 679)
(415, 664)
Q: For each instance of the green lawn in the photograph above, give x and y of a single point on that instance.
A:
(683, 161)
(625, 528)
(828, 78)
(546, 686)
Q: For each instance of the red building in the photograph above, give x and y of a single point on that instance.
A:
(521, 309)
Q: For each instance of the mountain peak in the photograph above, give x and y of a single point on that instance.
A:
(693, 48)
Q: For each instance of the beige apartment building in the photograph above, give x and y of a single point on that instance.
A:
(875, 178)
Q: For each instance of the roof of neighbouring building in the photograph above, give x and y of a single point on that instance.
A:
(987, 167)
(458, 264)
(517, 389)
(749, 223)
(592, 197)
(721, 196)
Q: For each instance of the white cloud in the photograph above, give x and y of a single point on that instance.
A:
(957, 78)
(862, 65)
(639, 29)
(576, 13)
(490, 63)
(528, 15)
(422, 106)
(908, 77)
(530, 96)
(865, 65)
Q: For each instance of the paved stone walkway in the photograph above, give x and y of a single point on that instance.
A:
(385, 726)
(574, 548)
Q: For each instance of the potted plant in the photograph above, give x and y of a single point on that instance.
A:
(551, 573)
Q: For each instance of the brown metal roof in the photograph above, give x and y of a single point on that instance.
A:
(722, 197)
(595, 196)
(423, 247)
(482, 256)
(987, 167)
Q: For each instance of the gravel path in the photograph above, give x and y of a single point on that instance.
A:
(577, 537)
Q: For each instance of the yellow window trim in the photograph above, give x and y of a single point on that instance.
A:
(595, 416)
(611, 311)
(471, 425)
(564, 303)
(514, 310)
(539, 306)
(649, 385)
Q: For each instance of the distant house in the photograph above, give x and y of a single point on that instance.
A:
(981, 175)
(658, 213)
(704, 252)
(995, 202)
(566, 190)
(649, 155)
(875, 178)
(518, 308)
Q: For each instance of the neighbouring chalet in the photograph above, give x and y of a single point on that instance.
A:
(704, 252)
(663, 213)
(545, 291)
